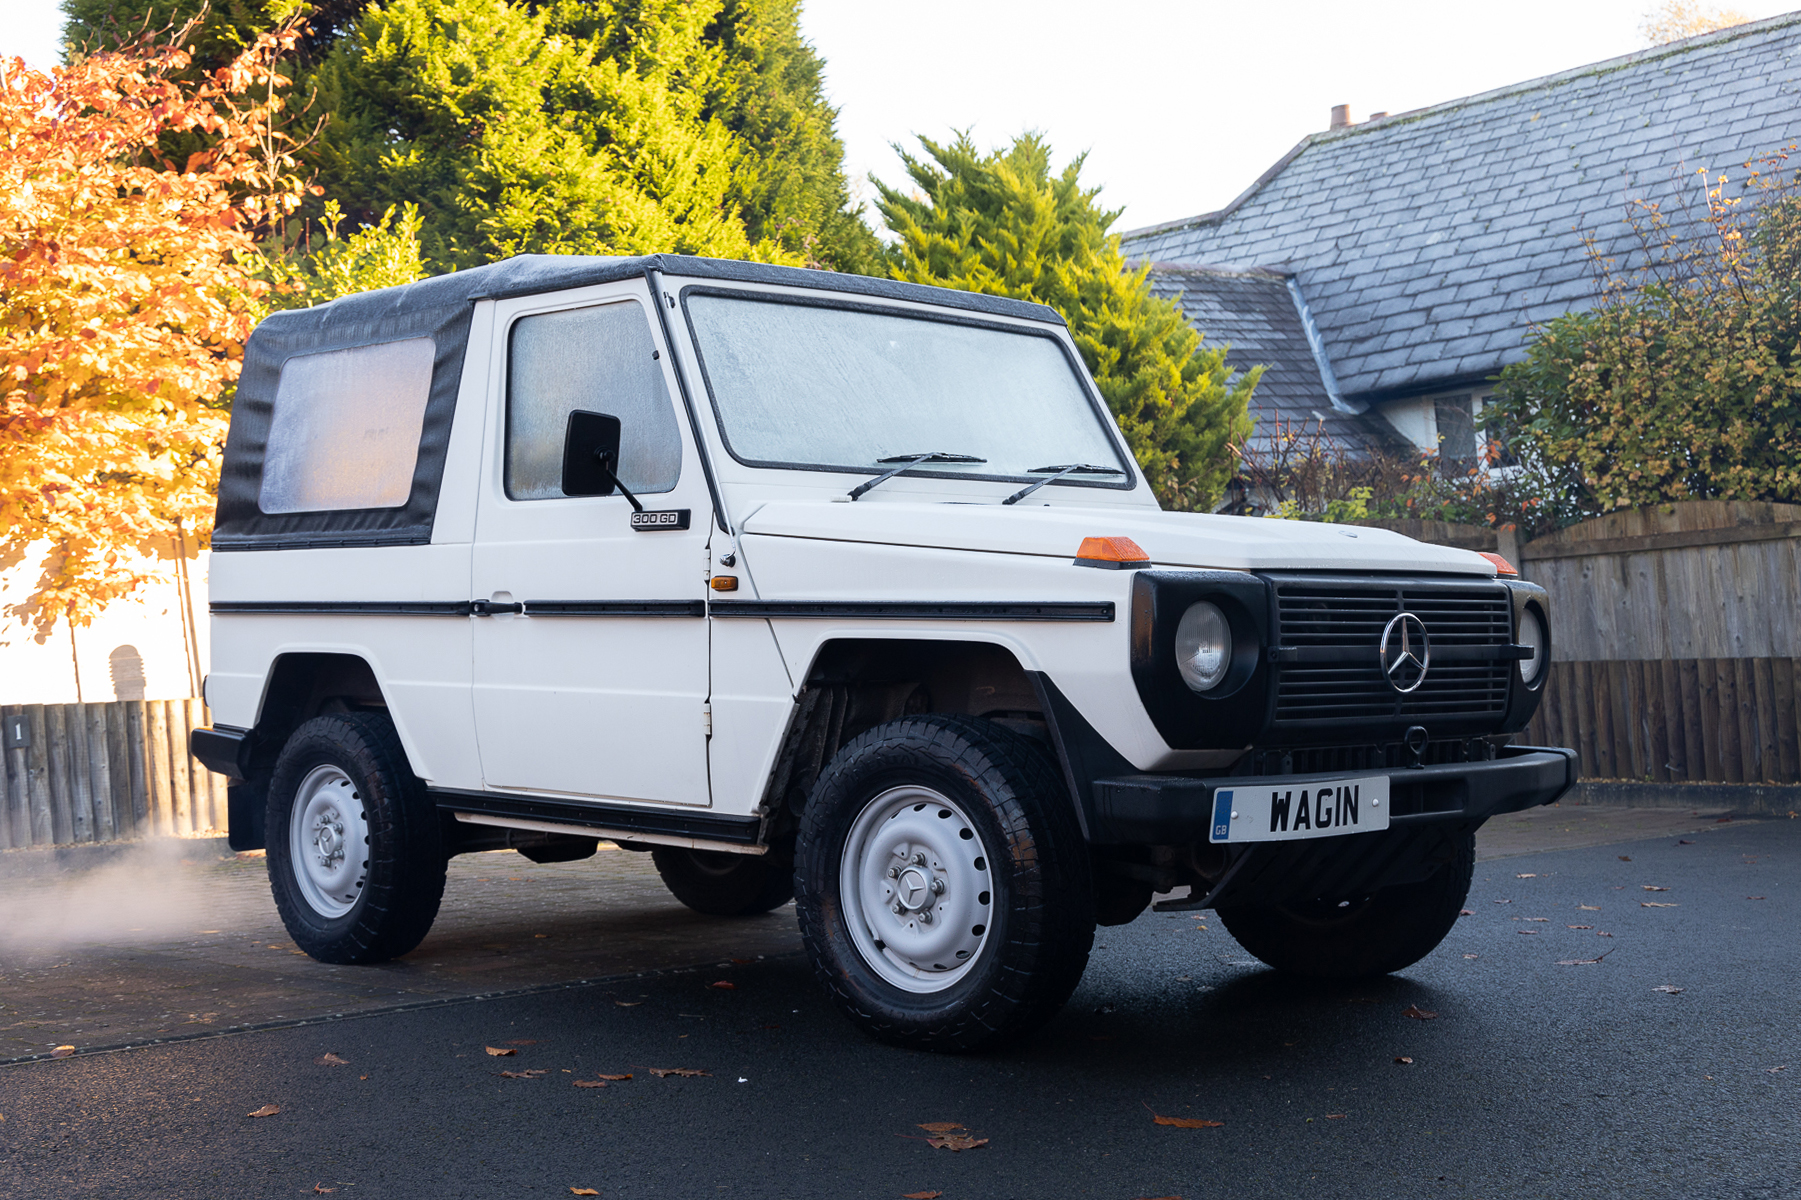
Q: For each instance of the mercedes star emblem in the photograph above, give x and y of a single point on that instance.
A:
(1405, 653)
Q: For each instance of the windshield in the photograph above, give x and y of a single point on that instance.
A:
(803, 385)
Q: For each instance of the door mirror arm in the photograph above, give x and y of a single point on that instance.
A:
(604, 460)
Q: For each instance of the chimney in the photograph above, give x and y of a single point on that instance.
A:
(1377, 116)
(1341, 116)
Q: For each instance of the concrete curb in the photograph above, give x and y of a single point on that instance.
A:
(1747, 799)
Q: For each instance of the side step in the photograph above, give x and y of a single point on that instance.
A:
(615, 822)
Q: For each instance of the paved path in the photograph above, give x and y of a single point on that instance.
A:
(1534, 1078)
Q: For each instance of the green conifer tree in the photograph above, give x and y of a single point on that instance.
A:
(1003, 224)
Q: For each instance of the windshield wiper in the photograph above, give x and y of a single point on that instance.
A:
(911, 460)
(1061, 470)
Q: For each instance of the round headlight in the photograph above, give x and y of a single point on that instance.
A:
(1532, 633)
(1203, 646)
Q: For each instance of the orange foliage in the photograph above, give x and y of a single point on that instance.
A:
(127, 287)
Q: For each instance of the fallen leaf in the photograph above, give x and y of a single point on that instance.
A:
(1589, 907)
(1578, 926)
(523, 1042)
(940, 1126)
(628, 1003)
(62, 1052)
(1525, 876)
(956, 1141)
(681, 1072)
(1187, 1122)
(328, 1059)
(319, 1189)
(583, 1192)
(1535, 918)
(1472, 956)
(1334, 1116)
(614, 1078)
(1625, 858)
(1503, 902)
(921, 1195)
(590, 1083)
(1466, 912)
(1602, 933)
(499, 1052)
(1774, 1070)
(1667, 989)
(1653, 888)
(1404, 1061)
(1525, 931)
(267, 1110)
(1754, 897)
(1684, 842)
(1655, 904)
(522, 1074)
(727, 984)
(1418, 1013)
(1577, 962)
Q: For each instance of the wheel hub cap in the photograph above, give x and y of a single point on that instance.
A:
(328, 841)
(916, 889)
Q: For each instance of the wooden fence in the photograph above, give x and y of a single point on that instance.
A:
(78, 773)
(1676, 639)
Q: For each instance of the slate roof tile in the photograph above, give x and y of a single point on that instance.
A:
(1504, 181)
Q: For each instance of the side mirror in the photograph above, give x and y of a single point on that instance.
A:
(590, 454)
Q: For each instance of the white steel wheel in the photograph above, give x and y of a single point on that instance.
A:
(916, 888)
(328, 841)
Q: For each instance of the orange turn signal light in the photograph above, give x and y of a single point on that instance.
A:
(1111, 553)
(1502, 566)
(724, 583)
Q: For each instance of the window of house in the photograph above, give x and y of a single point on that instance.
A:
(1456, 423)
(345, 429)
(598, 360)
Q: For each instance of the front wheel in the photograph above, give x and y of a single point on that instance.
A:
(1359, 936)
(942, 885)
(356, 860)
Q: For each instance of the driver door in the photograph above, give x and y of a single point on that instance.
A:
(597, 690)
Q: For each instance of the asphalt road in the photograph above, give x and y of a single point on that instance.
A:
(1532, 1079)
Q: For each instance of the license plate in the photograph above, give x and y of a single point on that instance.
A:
(1317, 808)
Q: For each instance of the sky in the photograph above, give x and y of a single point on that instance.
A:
(1179, 104)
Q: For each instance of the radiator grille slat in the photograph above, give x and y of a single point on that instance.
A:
(1352, 615)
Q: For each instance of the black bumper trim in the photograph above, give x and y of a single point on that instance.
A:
(709, 827)
(1173, 810)
(222, 749)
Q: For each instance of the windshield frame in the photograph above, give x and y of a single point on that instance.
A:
(1124, 482)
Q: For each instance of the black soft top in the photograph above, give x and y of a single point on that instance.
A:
(440, 308)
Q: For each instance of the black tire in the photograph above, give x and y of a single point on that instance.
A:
(722, 884)
(1038, 906)
(1362, 937)
(354, 771)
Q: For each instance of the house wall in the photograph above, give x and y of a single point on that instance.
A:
(96, 663)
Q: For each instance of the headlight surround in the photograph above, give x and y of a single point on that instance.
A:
(1203, 646)
(1533, 634)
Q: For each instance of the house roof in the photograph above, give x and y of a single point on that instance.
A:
(1426, 243)
(1254, 313)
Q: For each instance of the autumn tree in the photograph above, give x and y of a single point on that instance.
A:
(128, 284)
(1673, 20)
(1003, 223)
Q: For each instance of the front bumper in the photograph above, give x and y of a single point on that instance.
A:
(1170, 810)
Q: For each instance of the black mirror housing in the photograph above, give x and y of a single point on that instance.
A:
(590, 454)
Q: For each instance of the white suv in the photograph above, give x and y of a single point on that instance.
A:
(822, 586)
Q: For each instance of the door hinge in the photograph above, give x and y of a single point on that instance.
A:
(706, 718)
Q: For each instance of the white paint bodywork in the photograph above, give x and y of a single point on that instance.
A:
(687, 714)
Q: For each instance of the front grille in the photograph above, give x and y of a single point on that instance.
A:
(1343, 615)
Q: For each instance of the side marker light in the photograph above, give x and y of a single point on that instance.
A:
(724, 583)
(1111, 554)
(1502, 566)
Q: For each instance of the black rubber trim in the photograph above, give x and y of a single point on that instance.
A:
(388, 608)
(706, 826)
(1166, 810)
(1364, 654)
(615, 608)
(1050, 610)
(224, 750)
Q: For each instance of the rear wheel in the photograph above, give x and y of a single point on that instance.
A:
(942, 885)
(721, 884)
(1359, 936)
(356, 861)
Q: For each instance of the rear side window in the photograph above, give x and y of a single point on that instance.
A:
(597, 359)
(345, 428)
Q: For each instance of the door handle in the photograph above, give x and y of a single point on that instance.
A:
(488, 608)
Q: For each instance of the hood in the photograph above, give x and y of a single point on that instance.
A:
(1171, 539)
